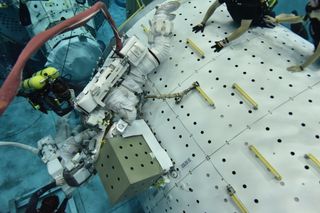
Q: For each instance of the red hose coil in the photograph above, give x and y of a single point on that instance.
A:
(12, 83)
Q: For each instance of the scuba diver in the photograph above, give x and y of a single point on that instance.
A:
(46, 91)
(50, 204)
(299, 28)
(3, 4)
(244, 12)
(312, 14)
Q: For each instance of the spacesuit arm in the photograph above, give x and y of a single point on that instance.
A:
(309, 61)
(210, 11)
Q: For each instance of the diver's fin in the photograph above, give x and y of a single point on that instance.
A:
(24, 13)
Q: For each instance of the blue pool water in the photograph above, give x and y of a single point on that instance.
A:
(21, 172)
(286, 6)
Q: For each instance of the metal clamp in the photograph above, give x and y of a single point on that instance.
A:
(195, 47)
(245, 95)
(145, 29)
(265, 162)
(236, 200)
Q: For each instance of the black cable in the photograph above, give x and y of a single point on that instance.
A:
(66, 55)
(69, 43)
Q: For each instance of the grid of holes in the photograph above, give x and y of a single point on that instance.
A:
(252, 80)
(290, 154)
(110, 168)
(128, 156)
(276, 73)
(285, 148)
(186, 196)
(54, 9)
(10, 23)
(276, 37)
(176, 136)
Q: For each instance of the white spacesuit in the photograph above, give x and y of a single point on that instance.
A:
(122, 100)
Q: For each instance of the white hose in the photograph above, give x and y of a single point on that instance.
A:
(20, 145)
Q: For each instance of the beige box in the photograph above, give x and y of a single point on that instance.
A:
(126, 168)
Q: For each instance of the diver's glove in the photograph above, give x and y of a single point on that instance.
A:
(269, 21)
(220, 45)
(297, 68)
(199, 27)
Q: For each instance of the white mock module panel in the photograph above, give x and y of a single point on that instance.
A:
(266, 155)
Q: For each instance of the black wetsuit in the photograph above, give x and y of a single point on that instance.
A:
(315, 31)
(245, 9)
(299, 29)
(314, 24)
(50, 99)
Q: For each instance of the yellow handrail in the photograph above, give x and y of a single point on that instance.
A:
(245, 95)
(236, 200)
(265, 162)
(203, 94)
(195, 47)
(313, 159)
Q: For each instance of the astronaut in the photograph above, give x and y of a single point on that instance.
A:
(246, 13)
(313, 14)
(111, 95)
(118, 84)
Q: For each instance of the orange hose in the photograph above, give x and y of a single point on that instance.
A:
(12, 83)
